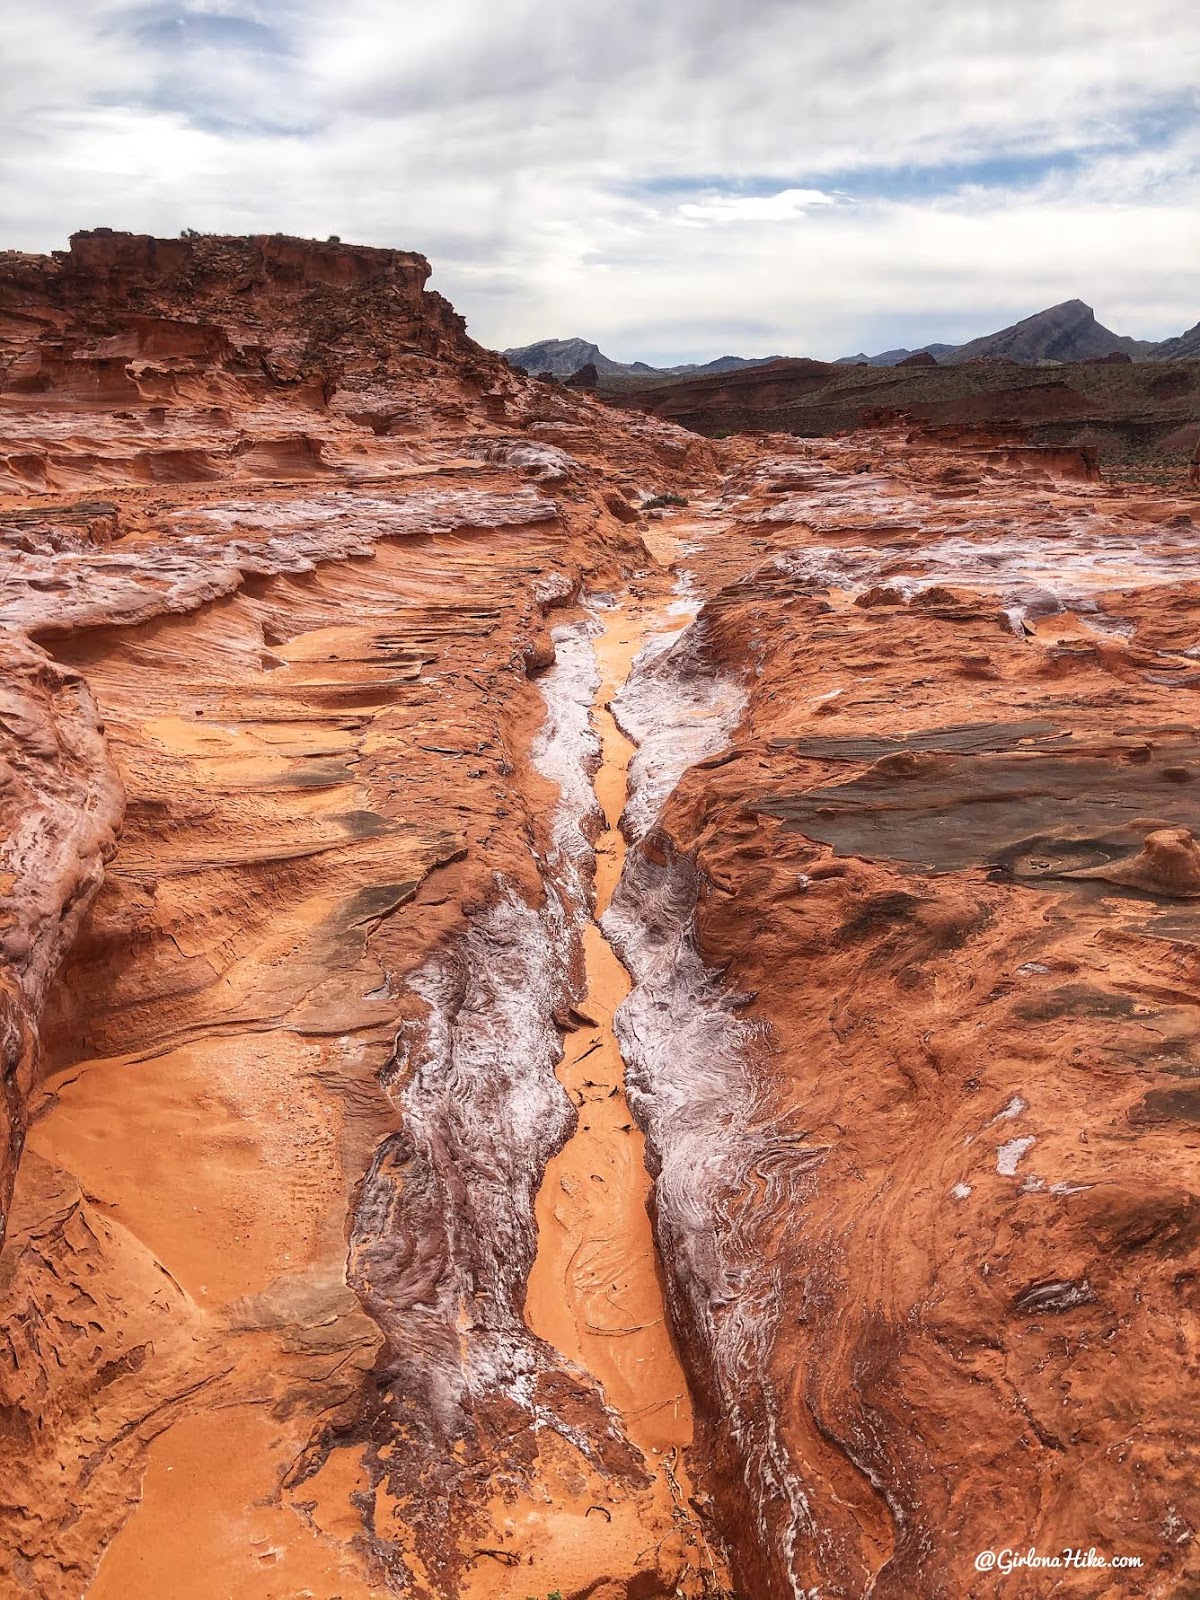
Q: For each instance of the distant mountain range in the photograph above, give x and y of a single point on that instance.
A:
(565, 357)
(1066, 332)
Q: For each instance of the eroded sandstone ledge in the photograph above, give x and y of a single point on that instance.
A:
(311, 612)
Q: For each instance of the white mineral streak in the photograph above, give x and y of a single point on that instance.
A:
(1019, 572)
(1014, 1108)
(567, 751)
(678, 708)
(691, 1087)
(1066, 564)
(1008, 1155)
(215, 548)
(711, 1141)
(546, 463)
(445, 1234)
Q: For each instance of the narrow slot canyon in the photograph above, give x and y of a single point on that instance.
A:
(595, 1291)
(586, 1010)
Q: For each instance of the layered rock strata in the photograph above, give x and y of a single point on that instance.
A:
(1140, 421)
(913, 1026)
(298, 1086)
(420, 858)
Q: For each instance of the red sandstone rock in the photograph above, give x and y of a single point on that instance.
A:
(1136, 416)
(308, 612)
(933, 1033)
(318, 624)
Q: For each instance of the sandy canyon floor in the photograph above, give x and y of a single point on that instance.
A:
(556, 1047)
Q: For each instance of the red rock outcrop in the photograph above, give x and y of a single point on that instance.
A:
(266, 1213)
(1139, 418)
(358, 716)
(917, 944)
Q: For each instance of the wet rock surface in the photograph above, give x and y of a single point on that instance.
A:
(551, 1045)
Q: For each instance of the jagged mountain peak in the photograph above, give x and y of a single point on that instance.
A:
(565, 357)
(1067, 331)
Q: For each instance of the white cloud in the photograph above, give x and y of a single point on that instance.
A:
(661, 177)
(782, 207)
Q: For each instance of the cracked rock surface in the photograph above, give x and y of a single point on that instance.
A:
(550, 1046)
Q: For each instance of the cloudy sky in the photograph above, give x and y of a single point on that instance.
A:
(676, 179)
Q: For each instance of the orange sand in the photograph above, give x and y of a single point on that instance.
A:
(594, 1291)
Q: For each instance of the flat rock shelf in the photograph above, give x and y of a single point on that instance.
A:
(584, 1010)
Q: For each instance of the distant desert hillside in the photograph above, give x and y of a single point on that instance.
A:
(1066, 332)
(1142, 418)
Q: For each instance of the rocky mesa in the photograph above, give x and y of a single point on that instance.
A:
(587, 1010)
